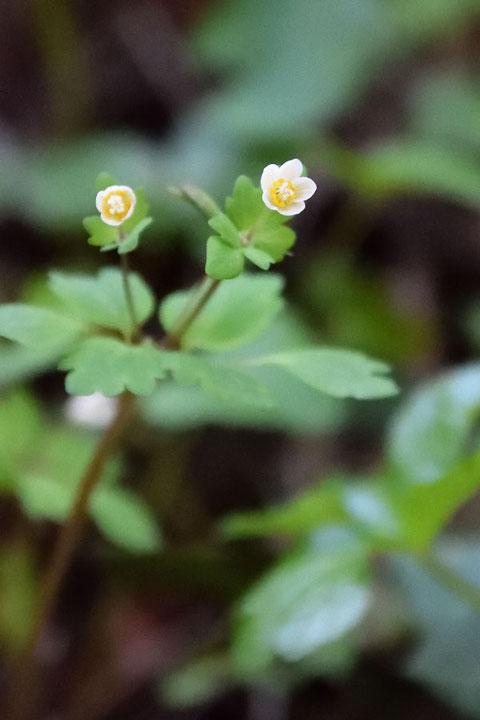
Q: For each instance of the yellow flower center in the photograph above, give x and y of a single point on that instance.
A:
(117, 204)
(282, 193)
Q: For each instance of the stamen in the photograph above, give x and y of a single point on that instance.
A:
(282, 193)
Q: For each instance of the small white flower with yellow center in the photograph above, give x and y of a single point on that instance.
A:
(284, 188)
(116, 204)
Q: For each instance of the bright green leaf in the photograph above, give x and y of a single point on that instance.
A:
(109, 366)
(258, 257)
(340, 373)
(223, 261)
(246, 205)
(131, 241)
(237, 312)
(271, 236)
(100, 234)
(226, 229)
(100, 300)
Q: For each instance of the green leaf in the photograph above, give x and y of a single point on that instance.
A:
(258, 257)
(44, 497)
(271, 236)
(125, 519)
(220, 381)
(446, 656)
(238, 312)
(100, 234)
(319, 505)
(424, 509)
(139, 213)
(37, 328)
(296, 410)
(109, 366)
(130, 243)
(340, 373)
(246, 205)
(17, 596)
(223, 261)
(104, 180)
(431, 430)
(226, 229)
(201, 681)
(307, 600)
(100, 299)
(20, 423)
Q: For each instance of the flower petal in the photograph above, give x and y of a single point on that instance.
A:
(293, 209)
(305, 187)
(110, 221)
(291, 170)
(269, 175)
(99, 200)
(266, 199)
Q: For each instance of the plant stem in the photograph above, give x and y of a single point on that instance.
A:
(25, 683)
(135, 330)
(173, 339)
(463, 589)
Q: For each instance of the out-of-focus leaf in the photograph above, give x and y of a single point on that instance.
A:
(199, 682)
(336, 372)
(430, 432)
(125, 519)
(446, 657)
(100, 300)
(238, 311)
(37, 328)
(20, 423)
(17, 596)
(355, 308)
(307, 600)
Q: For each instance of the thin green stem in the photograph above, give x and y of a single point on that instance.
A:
(172, 340)
(463, 589)
(134, 334)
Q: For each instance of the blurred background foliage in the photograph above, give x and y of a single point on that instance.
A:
(181, 603)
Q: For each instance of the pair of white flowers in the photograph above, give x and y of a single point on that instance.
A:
(283, 189)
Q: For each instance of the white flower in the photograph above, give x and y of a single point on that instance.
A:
(96, 410)
(284, 188)
(116, 204)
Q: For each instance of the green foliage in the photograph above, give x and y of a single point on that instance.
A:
(223, 261)
(340, 373)
(202, 680)
(101, 300)
(20, 422)
(17, 596)
(221, 326)
(296, 409)
(307, 600)
(110, 366)
(446, 623)
(248, 230)
(125, 519)
(37, 328)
